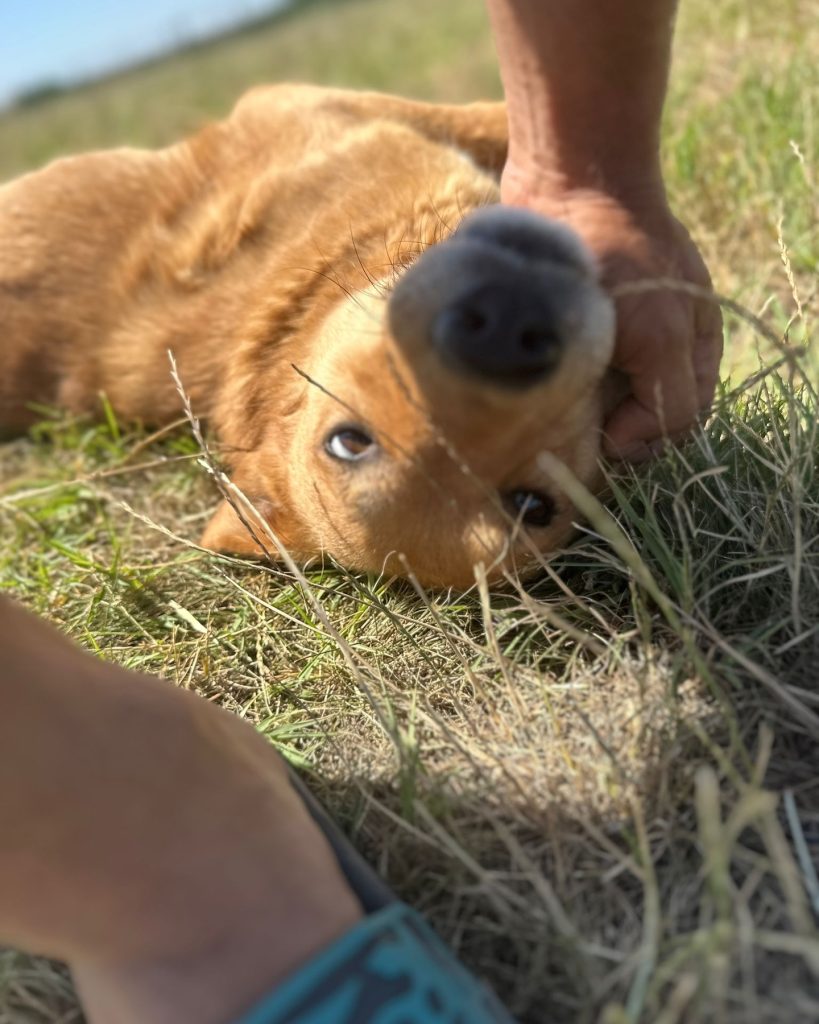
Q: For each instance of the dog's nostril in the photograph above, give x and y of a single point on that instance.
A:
(504, 331)
(536, 339)
(473, 319)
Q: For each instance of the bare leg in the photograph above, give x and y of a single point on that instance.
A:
(150, 839)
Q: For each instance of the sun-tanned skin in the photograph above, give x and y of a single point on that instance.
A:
(265, 253)
(150, 839)
(585, 84)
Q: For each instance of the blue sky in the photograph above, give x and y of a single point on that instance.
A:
(61, 40)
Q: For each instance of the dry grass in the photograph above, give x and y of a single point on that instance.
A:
(585, 783)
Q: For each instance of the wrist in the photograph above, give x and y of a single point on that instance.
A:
(544, 183)
(585, 84)
(634, 217)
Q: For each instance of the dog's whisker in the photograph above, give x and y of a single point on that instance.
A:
(353, 296)
(340, 258)
(373, 282)
(442, 222)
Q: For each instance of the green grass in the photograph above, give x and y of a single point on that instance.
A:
(581, 782)
(434, 53)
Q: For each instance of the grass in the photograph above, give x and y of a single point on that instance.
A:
(602, 788)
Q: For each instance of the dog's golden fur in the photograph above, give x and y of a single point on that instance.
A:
(265, 246)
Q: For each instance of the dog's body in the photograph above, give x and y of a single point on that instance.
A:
(268, 242)
(108, 260)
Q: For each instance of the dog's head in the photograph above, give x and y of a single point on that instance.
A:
(416, 439)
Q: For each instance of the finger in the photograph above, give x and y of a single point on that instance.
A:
(663, 402)
(630, 432)
(707, 356)
(636, 453)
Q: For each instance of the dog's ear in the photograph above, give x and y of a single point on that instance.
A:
(237, 529)
(243, 522)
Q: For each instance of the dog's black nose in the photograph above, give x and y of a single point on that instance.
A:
(504, 300)
(503, 331)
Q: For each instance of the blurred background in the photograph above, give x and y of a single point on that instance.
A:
(741, 127)
(94, 74)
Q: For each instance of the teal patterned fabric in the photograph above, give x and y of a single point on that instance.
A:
(390, 969)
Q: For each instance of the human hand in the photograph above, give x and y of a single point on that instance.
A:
(669, 343)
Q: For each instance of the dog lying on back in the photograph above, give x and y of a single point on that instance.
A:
(383, 353)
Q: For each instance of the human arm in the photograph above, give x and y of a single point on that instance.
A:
(150, 839)
(585, 83)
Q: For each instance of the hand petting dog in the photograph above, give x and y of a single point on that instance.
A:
(585, 85)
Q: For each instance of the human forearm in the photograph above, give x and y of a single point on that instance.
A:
(585, 82)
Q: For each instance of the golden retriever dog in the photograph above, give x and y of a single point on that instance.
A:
(383, 352)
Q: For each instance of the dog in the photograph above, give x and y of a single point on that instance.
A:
(382, 350)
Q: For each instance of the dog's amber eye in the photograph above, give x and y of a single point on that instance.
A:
(348, 444)
(532, 508)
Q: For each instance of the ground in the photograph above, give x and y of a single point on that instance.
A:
(601, 788)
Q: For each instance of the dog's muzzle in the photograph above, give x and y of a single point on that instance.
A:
(501, 299)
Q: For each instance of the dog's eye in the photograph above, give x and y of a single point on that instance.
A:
(532, 508)
(349, 444)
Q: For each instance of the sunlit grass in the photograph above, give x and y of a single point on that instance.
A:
(579, 780)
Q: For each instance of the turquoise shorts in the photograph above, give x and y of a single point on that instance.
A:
(390, 968)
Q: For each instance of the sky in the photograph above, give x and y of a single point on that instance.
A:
(59, 41)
